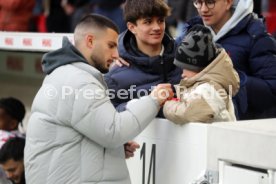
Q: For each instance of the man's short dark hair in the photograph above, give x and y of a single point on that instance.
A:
(13, 107)
(12, 149)
(136, 9)
(92, 23)
(97, 21)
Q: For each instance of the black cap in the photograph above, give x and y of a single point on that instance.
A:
(197, 49)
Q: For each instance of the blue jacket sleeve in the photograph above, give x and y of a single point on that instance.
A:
(261, 84)
(113, 89)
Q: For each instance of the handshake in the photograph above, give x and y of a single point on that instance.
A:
(162, 93)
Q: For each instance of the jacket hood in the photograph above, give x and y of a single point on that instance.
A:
(129, 51)
(240, 8)
(220, 71)
(67, 54)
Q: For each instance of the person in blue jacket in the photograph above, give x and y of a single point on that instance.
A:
(111, 9)
(253, 52)
(147, 48)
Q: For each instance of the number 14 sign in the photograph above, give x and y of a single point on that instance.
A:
(169, 153)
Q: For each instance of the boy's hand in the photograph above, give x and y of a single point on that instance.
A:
(162, 92)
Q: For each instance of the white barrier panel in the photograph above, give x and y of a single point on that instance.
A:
(243, 152)
(21, 53)
(169, 153)
(249, 143)
(32, 41)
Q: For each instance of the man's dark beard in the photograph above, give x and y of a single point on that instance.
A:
(101, 68)
(97, 64)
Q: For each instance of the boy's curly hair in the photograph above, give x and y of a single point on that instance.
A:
(136, 9)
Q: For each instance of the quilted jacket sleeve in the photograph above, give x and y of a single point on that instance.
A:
(183, 112)
(203, 104)
(96, 118)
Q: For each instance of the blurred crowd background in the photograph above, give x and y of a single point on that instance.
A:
(61, 16)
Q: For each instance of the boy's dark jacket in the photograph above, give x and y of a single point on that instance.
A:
(144, 72)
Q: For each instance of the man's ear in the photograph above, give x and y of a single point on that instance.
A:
(89, 40)
(131, 27)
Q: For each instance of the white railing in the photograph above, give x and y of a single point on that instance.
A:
(42, 42)
(173, 154)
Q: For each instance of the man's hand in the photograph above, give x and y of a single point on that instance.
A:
(130, 148)
(162, 92)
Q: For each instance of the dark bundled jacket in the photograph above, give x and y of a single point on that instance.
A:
(253, 52)
(143, 73)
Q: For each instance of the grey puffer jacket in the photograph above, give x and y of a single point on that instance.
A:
(75, 135)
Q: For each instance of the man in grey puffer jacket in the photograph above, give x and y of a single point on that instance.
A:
(75, 135)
